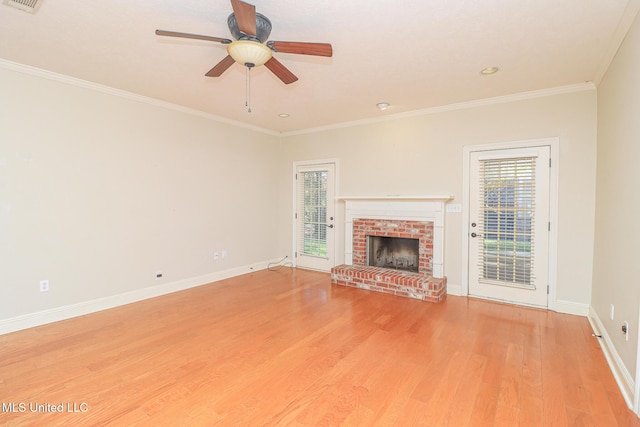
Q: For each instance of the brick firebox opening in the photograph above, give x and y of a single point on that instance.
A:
(407, 218)
(423, 231)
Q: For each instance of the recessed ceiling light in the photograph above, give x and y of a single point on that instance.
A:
(283, 115)
(382, 105)
(489, 70)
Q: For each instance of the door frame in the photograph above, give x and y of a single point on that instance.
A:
(553, 144)
(296, 165)
(636, 394)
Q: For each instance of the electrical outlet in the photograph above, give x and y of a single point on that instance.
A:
(625, 329)
(224, 254)
(158, 275)
(611, 312)
(216, 256)
(44, 286)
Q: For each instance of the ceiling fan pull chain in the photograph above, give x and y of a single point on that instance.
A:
(247, 101)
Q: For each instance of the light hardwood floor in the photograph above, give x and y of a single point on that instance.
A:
(287, 348)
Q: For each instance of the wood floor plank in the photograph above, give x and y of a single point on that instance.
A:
(485, 405)
(461, 405)
(531, 402)
(396, 393)
(286, 348)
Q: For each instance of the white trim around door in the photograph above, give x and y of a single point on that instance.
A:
(319, 261)
(553, 144)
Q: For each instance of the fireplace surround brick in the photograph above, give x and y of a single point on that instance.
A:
(394, 228)
(421, 285)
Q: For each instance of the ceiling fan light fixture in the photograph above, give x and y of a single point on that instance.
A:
(382, 105)
(249, 53)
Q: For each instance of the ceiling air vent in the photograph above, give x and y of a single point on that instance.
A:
(26, 5)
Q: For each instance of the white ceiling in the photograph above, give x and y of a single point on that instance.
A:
(415, 54)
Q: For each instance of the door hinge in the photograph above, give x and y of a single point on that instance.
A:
(295, 215)
(547, 289)
(549, 162)
(549, 226)
(295, 254)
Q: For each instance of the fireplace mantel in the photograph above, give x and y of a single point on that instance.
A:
(410, 208)
(392, 197)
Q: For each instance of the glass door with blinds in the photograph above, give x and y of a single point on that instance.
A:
(314, 216)
(509, 225)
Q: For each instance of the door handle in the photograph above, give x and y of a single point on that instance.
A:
(329, 225)
(475, 235)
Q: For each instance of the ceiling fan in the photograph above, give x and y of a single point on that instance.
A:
(250, 31)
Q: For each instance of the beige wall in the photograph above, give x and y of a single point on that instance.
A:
(98, 192)
(422, 155)
(616, 280)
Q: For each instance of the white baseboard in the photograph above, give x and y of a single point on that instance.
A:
(570, 307)
(66, 312)
(620, 372)
(454, 289)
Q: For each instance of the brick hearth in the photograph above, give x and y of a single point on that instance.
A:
(401, 283)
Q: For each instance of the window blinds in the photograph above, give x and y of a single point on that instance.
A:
(312, 213)
(506, 221)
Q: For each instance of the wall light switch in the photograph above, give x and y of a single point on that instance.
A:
(454, 207)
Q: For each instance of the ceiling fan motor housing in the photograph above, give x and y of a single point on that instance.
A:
(263, 28)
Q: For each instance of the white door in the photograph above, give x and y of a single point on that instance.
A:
(509, 225)
(314, 216)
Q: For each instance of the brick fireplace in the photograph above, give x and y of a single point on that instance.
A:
(365, 227)
(406, 218)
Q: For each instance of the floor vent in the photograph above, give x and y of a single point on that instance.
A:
(26, 5)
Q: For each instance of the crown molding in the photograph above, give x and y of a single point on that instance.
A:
(579, 87)
(628, 16)
(38, 72)
(73, 81)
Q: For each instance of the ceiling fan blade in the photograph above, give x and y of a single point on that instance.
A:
(245, 16)
(221, 67)
(192, 36)
(316, 49)
(280, 71)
